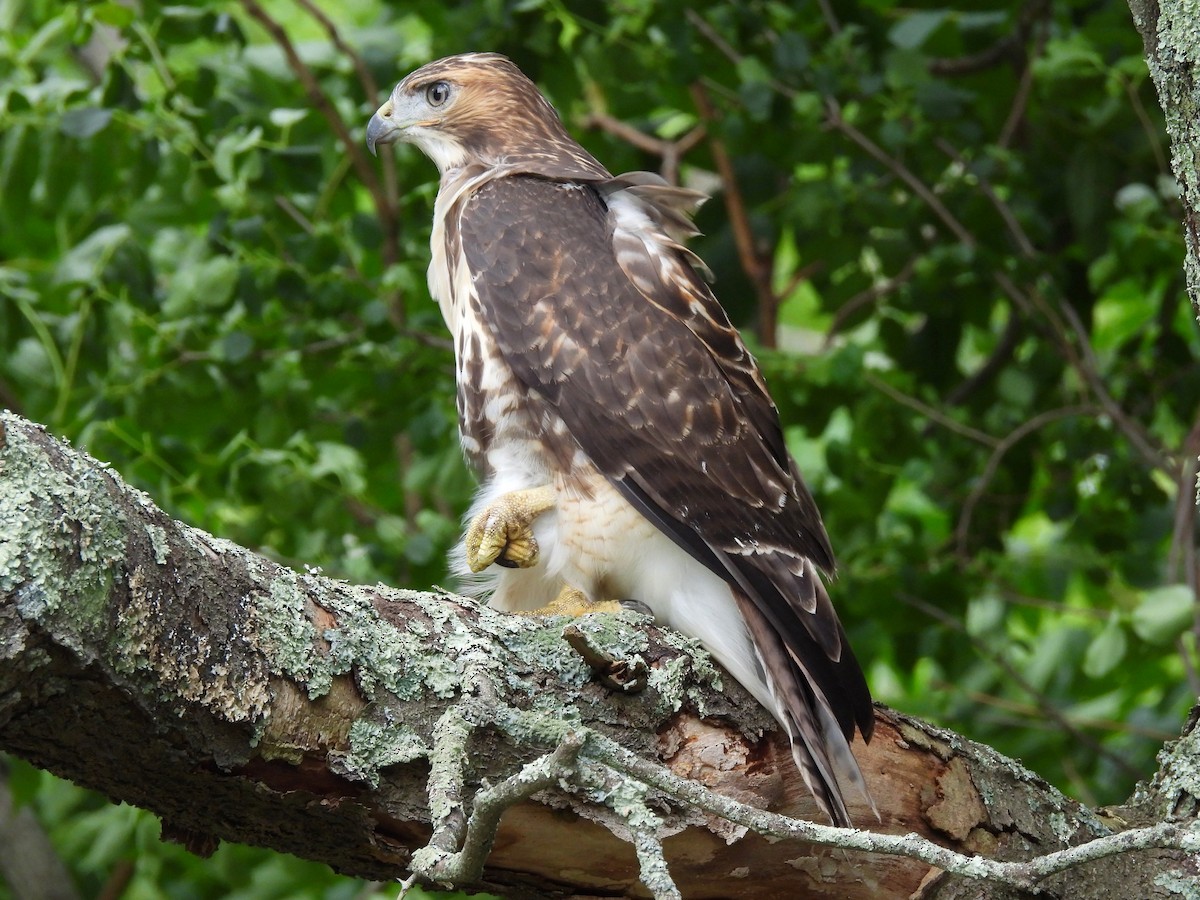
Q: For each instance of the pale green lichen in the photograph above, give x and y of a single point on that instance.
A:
(1179, 882)
(63, 536)
(288, 637)
(376, 744)
(158, 542)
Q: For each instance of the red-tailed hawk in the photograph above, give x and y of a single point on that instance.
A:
(625, 440)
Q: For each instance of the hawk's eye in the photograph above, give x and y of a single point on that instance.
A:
(437, 93)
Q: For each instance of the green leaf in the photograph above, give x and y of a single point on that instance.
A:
(84, 122)
(286, 118)
(118, 15)
(1120, 314)
(86, 261)
(1164, 613)
(1106, 650)
(914, 29)
(342, 462)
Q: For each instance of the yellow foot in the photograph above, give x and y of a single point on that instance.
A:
(502, 533)
(574, 602)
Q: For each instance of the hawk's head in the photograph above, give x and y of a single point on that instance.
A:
(478, 108)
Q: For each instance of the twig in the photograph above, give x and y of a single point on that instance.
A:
(1025, 875)
(445, 786)
(466, 864)
(1001, 354)
(670, 152)
(1007, 47)
(295, 214)
(1132, 430)
(1153, 132)
(387, 203)
(867, 297)
(626, 675)
(1182, 555)
(834, 117)
(929, 412)
(830, 18)
(1032, 715)
(1002, 209)
(354, 148)
(963, 529)
(1044, 703)
(756, 266)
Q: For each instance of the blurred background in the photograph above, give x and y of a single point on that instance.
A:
(951, 237)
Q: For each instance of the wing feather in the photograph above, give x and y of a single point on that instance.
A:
(599, 309)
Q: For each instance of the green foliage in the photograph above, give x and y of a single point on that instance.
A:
(984, 355)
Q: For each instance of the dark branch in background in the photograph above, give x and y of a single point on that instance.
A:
(1000, 356)
(756, 264)
(390, 202)
(1010, 48)
(1070, 340)
(1182, 562)
(866, 298)
(383, 195)
(1044, 703)
(963, 530)
(29, 865)
(931, 413)
(670, 152)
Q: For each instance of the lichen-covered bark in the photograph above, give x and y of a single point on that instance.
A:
(1171, 35)
(242, 701)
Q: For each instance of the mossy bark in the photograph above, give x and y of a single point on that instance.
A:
(242, 701)
(1171, 35)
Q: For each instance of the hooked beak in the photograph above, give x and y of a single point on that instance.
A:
(381, 129)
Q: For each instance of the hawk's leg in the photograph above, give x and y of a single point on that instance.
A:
(502, 533)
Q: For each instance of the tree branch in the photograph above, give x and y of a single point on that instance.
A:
(354, 148)
(381, 731)
(756, 264)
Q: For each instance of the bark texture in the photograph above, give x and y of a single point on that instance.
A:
(242, 701)
(1171, 35)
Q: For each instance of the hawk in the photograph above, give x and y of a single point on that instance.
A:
(625, 441)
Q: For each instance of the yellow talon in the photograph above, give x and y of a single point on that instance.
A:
(574, 602)
(502, 533)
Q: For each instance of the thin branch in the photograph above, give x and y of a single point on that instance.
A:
(1132, 429)
(866, 298)
(929, 412)
(963, 529)
(828, 15)
(466, 864)
(1033, 715)
(670, 152)
(838, 123)
(1181, 559)
(370, 88)
(1025, 875)
(1024, 244)
(1044, 704)
(755, 264)
(1020, 103)
(354, 148)
(1007, 48)
(1152, 131)
(992, 366)
(388, 203)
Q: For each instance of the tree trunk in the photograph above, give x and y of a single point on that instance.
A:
(355, 725)
(1173, 56)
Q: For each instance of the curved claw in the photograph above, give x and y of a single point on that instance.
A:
(502, 532)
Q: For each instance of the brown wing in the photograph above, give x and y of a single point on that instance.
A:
(657, 389)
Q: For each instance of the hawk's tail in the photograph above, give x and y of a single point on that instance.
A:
(819, 747)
